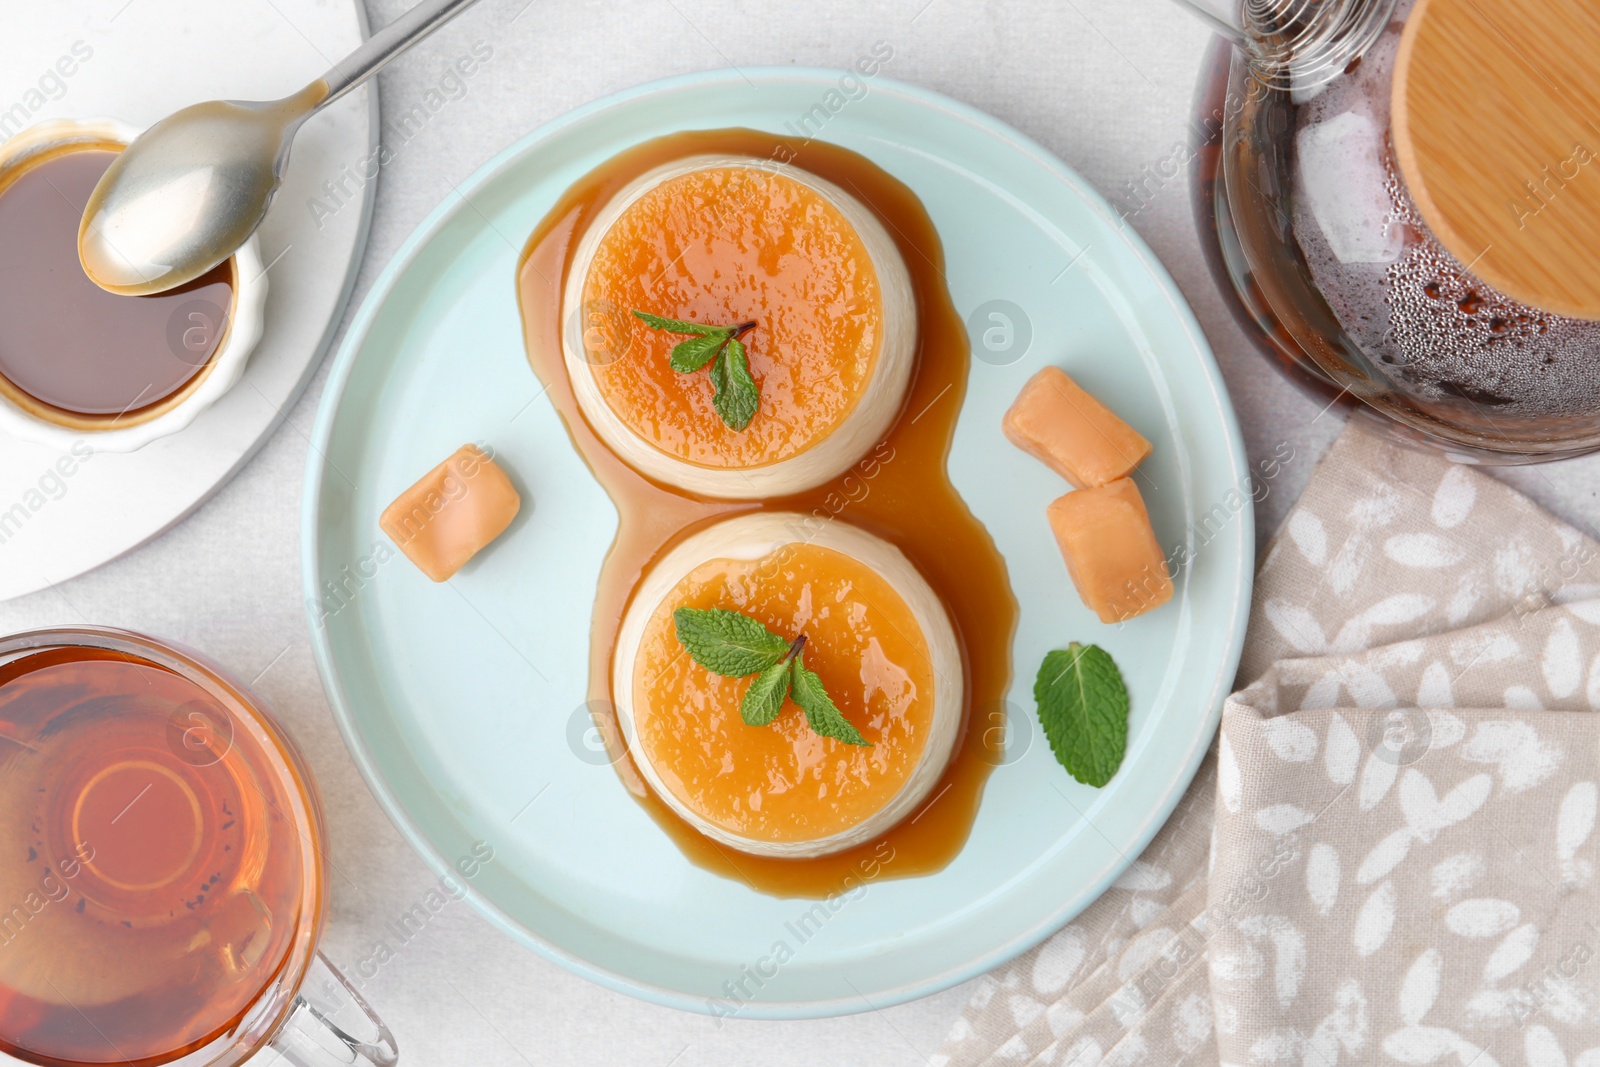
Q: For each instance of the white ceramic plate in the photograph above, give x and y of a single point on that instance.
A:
(463, 703)
(137, 62)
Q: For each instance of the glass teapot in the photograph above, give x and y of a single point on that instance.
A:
(1404, 195)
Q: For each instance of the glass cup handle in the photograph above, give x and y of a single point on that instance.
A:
(331, 1025)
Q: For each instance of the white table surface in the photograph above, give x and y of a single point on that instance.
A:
(1106, 84)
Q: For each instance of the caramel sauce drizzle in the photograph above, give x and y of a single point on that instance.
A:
(899, 490)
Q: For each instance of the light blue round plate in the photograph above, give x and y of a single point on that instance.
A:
(463, 703)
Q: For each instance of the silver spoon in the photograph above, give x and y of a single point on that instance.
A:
(192, 188)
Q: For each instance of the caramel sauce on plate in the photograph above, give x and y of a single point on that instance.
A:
(70, 352)
(899, 490)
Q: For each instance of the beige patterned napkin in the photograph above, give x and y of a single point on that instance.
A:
(1389, 856)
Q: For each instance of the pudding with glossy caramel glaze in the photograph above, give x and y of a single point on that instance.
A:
(727, 240)
(877, 636)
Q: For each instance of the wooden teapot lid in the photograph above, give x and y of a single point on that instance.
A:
(1496, 116)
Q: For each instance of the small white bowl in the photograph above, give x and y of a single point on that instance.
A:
(220, 373)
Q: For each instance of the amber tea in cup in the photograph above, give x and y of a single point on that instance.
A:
(161, 865)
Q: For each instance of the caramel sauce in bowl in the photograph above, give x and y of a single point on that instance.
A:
(78, 363)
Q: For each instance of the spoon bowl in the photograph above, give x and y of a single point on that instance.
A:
(188, 192)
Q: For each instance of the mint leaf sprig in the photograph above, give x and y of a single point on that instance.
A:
(735, 394)
(734, 645)
(1083, 707)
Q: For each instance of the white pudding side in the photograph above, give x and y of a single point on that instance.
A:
(749, 538)
(866, 424)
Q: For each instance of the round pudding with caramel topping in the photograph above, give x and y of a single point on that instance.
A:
(876, 636)
(805, 271)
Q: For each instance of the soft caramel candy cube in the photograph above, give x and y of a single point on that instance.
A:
(1073, 433)
(1111, 551)
(452, 512)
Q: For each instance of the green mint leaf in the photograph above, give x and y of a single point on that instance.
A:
(689, 356)
(1083, 706)
(719, 380)
(736, 395)
(822, 714)
(656, 322)
(726, 642)
(764, 699)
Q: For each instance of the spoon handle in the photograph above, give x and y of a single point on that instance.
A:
(422, 19)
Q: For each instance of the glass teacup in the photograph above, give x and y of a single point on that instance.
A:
(162, 866)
